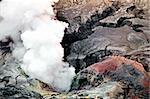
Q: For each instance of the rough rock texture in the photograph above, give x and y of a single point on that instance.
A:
(102, 28)
(98, 30)
(14, 92)
(117, 28)
(14, 83)
(129, 73)
(106, 90)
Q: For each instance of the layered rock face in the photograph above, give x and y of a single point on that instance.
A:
(107, 41)
(121, 27)
(102, 29)
(67, 3)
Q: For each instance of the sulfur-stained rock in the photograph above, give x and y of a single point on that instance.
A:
(115, 68)
(106, 90)
(97, 30)
(112, 63)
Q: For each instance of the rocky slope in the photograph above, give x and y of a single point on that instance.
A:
(120, 26)
(99, 29)
(107, 41)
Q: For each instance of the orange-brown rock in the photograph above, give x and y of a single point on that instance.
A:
(113, 62)
(115, 68)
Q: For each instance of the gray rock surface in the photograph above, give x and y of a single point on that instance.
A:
(97, 29)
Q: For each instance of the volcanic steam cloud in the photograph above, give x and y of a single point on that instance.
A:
(37, 36)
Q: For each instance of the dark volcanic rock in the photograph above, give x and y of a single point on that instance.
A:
(141, 55)
(97, 29)
(14, 83)
(5, 46)
(79, 29)
(115, 25)
(115, 68)
(80, 62)
(117, 40)
(14, 92)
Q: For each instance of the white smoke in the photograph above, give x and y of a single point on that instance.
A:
(33, 22)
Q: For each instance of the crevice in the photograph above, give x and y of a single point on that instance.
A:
(5, 46)
(85, 29)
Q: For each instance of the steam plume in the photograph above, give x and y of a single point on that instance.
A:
(33, 22)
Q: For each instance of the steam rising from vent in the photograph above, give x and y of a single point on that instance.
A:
(33, 23)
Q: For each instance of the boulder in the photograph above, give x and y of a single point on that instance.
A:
(115, 68)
